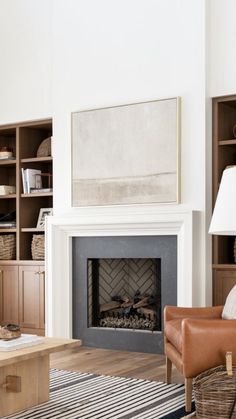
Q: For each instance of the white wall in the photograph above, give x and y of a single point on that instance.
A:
(222, 51)
(120, 51)
(25, 60)
(61, 56)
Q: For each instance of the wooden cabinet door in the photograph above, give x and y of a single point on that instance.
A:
(30, 296)
(9, 289)
(41, 298)
(223, 281)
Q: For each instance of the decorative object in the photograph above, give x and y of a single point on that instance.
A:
(234, 130)
(126, 154)
(44, 149)
(38, 247)
(223, 220)
(6, 152)
(84, 395)
(45, 179)
(42, 214)
(7, 246)
(10, 331)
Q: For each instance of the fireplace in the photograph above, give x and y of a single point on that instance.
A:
(145, 220)
(120, 286)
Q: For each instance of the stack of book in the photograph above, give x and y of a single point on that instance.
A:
(32, 181)
(22, 342)
(31, 178)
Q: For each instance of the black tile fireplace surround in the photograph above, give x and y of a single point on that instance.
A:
(159, 251)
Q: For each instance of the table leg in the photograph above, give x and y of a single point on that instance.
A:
(34, 389)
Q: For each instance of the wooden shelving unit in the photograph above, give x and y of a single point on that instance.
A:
(224, 154)
(22, 278)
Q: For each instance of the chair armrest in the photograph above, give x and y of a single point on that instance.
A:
(173, 312)
(205, 343)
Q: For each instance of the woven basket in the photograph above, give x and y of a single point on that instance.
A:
(215, 394)
(38, 247)
(7, 246)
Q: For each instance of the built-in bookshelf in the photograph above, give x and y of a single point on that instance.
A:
(24, 141)
(22, 279)
(224, 154)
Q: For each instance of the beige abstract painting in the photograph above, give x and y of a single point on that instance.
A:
(126, 154)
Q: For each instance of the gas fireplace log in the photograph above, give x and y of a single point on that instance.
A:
(133, 322)
(127, 304)
(142, 303)
(109, 306)
(148, 312)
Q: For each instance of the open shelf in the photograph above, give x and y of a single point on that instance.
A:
(36, 195)
(7, 162)
(11, 196)
(25, 140)
(37, 160)
(32, 230)
(7, 230)
(227, 142)
(224, 155)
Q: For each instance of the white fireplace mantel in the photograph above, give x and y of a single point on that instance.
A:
(144, 221)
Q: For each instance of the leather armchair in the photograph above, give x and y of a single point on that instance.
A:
(195, 340)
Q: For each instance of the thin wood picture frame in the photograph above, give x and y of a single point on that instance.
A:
(127, 154)
(43, 212)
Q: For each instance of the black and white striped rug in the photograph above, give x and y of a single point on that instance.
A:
(75, 395)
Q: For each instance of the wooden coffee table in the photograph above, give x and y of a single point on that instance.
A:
(24, 374)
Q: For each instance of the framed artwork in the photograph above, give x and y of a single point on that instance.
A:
(42, 214)
(126, 154)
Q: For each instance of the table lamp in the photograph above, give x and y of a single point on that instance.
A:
(223, 220)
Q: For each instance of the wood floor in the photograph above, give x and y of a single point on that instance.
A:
(116, 363)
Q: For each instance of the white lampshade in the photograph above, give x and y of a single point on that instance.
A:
(223, 220)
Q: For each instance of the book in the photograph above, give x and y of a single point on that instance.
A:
(24, 180)
(40, 190)
(7, 224)
(22, 342)
(7, 158)
(33, 179)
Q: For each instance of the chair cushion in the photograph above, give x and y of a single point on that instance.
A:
(173, 333)
(229, 310)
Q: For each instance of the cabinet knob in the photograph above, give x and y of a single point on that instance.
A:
(37, 273)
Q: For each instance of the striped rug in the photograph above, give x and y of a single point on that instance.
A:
(75, 395)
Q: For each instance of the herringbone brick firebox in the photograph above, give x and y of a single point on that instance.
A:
(125, 293)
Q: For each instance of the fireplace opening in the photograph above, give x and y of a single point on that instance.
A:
(124, 293)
